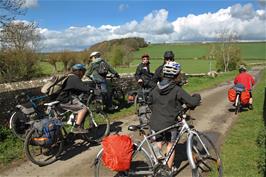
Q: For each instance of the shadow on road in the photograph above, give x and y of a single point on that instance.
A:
(73, 147)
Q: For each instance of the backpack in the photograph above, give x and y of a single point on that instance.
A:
(47, 131)
(54, 85)
(117, 152)
(103, 68)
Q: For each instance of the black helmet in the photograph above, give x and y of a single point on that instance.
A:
(80, 67)
(169, 55)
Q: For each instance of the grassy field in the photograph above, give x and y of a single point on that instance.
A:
(191, 51)
(188, 55)
(244, 150)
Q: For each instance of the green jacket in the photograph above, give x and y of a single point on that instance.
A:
(92, 71)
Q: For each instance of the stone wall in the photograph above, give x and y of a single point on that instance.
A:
(9, 92)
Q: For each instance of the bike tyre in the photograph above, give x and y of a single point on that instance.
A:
(19, 128)
(205, 163)
(237, 105)
(143, 157)
(55, 153)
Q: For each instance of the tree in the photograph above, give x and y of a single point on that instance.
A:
(19, 36)
(117, 55)
(9, 9)
(53, 58)
(227, 53)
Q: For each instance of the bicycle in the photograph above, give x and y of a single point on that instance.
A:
(41, 155)
(21, 119)
(201, 152)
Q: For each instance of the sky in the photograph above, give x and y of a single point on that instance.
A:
(78, 24)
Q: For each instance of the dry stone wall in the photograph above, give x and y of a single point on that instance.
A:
(9, 92)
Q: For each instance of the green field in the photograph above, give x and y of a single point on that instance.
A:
(188, 55)
(256, 50)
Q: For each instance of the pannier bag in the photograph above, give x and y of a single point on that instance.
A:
(47, 131)
(244, 97)
(117, 152)
(232, 95)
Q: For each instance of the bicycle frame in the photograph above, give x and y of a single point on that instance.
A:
(184, 129)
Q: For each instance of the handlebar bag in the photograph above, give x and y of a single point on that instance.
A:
(117, 152)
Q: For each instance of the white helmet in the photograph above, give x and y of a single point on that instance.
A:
(171, 69)
(95, 53)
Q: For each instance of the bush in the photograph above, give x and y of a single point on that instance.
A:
(18, 65)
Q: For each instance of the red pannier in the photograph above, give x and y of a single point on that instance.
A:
(244, 98)
(117, 152)
(231, 95)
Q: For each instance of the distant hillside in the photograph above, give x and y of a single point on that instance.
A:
(126, 44)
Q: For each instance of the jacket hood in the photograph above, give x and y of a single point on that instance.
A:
(165, 86)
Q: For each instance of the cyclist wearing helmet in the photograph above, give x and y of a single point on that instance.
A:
(158, 75)
(143, 74)
(247, 80)
(165, 101)
(98, 71)
(68, 96)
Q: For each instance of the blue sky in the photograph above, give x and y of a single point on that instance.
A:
(155, 20)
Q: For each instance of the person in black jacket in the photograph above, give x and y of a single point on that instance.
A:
(68, 96)
(143, 75)
(158, 75)
(165, 101)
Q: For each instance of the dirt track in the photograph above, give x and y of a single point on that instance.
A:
(213, 117)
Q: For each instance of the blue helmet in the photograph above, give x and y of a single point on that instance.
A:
(78, 67)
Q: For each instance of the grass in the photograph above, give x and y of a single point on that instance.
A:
(244, 150)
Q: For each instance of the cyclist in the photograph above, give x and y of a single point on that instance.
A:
(158, 75)
(143, 74)
(165, 101)
(98, 71)
(68, 97)
(247, 80)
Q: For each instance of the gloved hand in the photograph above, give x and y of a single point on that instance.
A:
(117, 75)
(197, 96)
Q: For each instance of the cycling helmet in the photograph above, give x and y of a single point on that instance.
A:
(169, 55)
(95, 54)
(76, 67)
(145, 55)
(171, 69)
(242, 68)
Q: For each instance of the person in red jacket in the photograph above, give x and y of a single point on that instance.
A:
(247, 80)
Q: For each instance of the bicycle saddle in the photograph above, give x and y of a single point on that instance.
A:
(137, 127)
(51, 103)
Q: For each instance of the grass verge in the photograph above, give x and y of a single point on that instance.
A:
(244, 150)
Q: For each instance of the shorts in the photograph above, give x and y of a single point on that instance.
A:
(74, 105)
(250, 94)
(168, 136)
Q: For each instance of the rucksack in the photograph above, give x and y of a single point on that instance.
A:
(117, 152)
(54, 85)
(47, 131)
(103, 68)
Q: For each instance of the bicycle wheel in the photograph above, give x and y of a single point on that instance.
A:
(205, 159)
(237, 104)
(141, 165)
(118, 97)
(42, 155)
(18, 124)
(100, 127)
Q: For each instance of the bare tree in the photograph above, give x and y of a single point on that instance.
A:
(20, 36)
(228, 53)
(9, 9)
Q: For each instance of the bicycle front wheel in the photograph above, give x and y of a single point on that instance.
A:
(41, 155)
(141, 165)
(205, 159)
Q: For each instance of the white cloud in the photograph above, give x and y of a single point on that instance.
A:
(156, 28)
(123, 7)
(30, 3)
